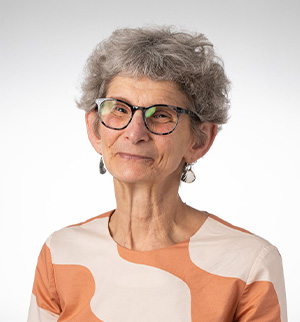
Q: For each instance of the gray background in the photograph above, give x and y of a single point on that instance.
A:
(48, 170)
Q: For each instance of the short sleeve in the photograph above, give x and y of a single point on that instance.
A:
(263, 298)
(45, 305)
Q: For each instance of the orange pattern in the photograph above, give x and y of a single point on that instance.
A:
(76, 289)
(82, 275)
(44, 284)
(203, 285)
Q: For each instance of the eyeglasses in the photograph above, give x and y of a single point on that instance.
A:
(159, 119)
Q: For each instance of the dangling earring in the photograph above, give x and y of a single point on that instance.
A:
(102, 166)
(188, 175)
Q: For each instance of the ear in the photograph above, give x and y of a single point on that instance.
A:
(94, 137)
(201, 146)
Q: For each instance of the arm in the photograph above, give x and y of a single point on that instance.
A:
(263, 298)
(45, 305)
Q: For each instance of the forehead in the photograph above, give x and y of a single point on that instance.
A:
(145, 92)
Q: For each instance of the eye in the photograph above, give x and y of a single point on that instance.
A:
(119, 109)
(161, 114)
(122, 109)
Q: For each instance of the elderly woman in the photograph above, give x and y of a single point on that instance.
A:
(154, 100)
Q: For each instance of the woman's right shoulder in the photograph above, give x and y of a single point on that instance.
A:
(73, 234)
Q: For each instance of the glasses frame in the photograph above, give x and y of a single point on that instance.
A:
(179, 111)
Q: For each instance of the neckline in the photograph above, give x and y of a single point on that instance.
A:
(156, 249)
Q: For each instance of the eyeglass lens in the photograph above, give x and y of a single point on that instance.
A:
(159, 119)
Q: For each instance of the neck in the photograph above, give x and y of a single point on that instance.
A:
(150, 216)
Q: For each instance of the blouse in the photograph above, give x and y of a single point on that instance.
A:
(222, 273)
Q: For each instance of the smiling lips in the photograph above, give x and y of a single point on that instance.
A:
(130, 156)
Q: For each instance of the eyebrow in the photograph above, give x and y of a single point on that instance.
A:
(126, 100)
(120, 98)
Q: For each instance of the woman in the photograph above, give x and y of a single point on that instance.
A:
(154, 101)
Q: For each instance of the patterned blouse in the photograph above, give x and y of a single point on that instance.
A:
(222, 273)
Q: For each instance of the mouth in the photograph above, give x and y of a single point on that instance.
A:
(130, 156)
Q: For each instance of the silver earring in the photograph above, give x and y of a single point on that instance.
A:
(188, 175)
(102, 166)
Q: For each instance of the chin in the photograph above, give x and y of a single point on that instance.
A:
(132, 175)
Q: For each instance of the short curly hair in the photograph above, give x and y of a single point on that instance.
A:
(161, 53)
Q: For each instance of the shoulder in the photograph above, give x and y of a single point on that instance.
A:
(79, 236)
(227, 232)
(223, 249)
(237, 253)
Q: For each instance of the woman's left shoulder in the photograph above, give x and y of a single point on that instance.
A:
(223, 249)
(233, 252)
(234, 235)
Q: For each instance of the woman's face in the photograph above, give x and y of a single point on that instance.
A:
(136, 155)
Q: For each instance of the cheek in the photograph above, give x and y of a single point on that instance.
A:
(171, 151)
(108, 137)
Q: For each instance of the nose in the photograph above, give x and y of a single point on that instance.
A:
(136, 130)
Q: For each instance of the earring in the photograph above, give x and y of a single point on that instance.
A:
(102, 166)
(188, 175)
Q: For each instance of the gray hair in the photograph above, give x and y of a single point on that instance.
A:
(161, 53)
